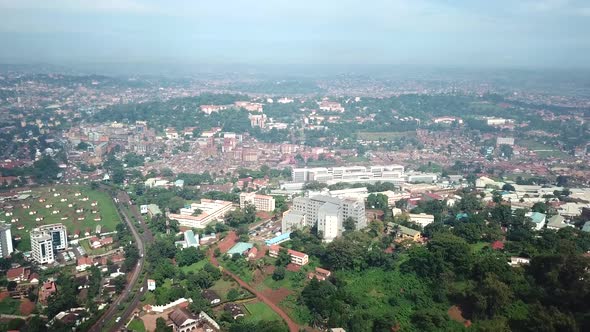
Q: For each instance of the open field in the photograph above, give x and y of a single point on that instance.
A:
(260, 312)
(69, 205)
(194, 267)
(375, 136)
(221, 287)
(136, 325)
(542, 150)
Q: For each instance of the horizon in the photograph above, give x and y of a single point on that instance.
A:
(529, 34)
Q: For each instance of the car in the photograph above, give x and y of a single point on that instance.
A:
(118, 319)
(141, 289)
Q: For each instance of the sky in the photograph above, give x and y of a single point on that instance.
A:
(458, 33)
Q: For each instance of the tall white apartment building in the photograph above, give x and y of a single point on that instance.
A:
(59, 235)
(41, 247)
(328, 213)
(47, 239)
(331, 175)
(5, 240)
(261, 202)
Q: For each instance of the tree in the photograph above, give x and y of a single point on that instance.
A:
(279, 273)
(82, 146)
(508, 187)
(119, 283)
(377, 201)
(349, 224)
(284, 258)
(188, 256)
(161, 325)
(540, 207)
(233, 294)
(506, 151)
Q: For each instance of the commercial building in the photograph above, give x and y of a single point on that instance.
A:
(41, 247)
(261, 202)
(211, 210)
(59, 235)
(505, 141)
(351, 174)
(292, 220)
(329, 213)
(421, 219)
(5, 240)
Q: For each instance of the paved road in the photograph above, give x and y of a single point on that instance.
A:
(293, 327)
(140, 240)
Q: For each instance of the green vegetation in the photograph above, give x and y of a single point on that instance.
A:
(10, 306)
(106, 211)
(258, 311)
(136, 325)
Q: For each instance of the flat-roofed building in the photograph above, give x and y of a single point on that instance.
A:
(6, 247)
(261, 202)
(210, 210)
(351, 174)
(331, 217)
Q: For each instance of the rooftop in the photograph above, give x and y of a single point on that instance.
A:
(239, 248)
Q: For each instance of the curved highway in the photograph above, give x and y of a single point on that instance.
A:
(122, 200)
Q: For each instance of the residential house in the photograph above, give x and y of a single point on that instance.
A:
(538, 218)
(46, 290)
(319, 274)
(234, 310)
(297, 258)
(556, 222)
(18, 274)
(83, 264)
(182, 320)
(211, 296)
(403, 232)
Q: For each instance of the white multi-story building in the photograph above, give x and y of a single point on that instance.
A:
(5, 240)
(261, 202)
(59, 235)
(46, 240)
(351, 174)
(210, 210)
(328, 213)
(41, 247)
(329, 223)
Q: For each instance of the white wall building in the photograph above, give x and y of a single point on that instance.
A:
(261, 202)
(41, 247)
(351, 174)
(5, 240)
(211, 210)
(316, 214)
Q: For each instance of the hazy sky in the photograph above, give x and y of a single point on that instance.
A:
(547, 33)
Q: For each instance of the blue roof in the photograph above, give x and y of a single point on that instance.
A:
(461, 215)
(586, 227)
(189, 237)
(239, 248)
(278, 239)
(537, 217)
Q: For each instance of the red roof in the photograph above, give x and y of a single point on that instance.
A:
(296, 253)
(497, 245)
(84, 261)
(15, 273)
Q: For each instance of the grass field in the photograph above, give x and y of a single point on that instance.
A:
(136, 325)
(221, 287)
(542, 150)
(194, 267)
(10, 306)
(62, 209)
(260, 312)
(386, 136)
